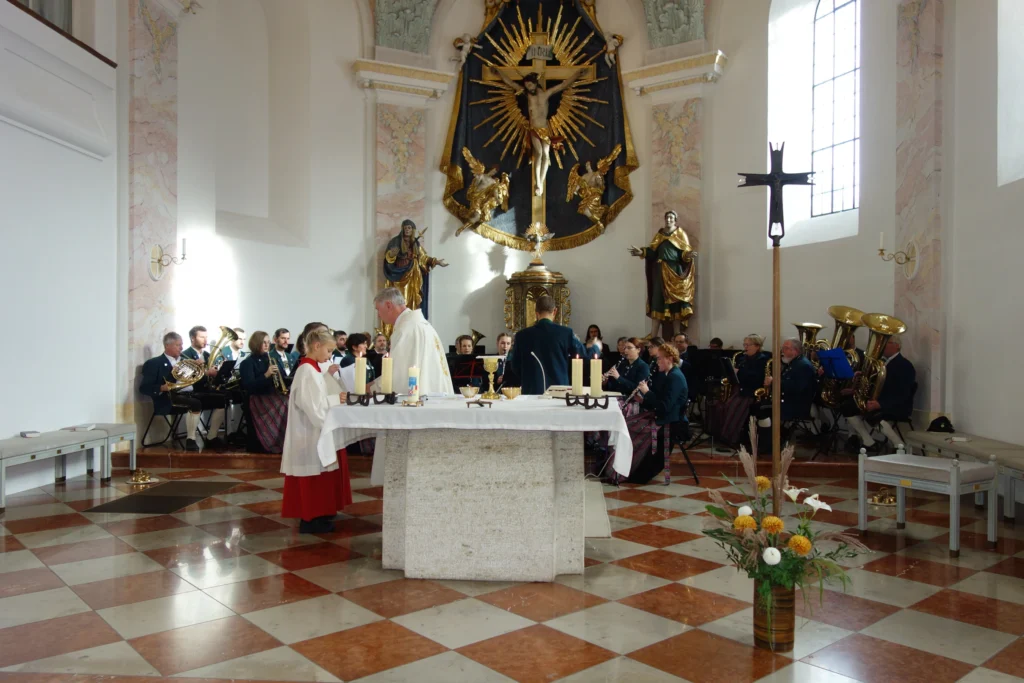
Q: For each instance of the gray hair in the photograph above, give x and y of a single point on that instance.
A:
(897, 340)
(389, 296)
(755, 339)
(171, 337)
(795, 342)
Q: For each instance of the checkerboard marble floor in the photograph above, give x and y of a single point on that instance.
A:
(227, 589)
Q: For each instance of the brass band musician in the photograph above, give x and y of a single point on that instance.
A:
(895, 402)
(750, 367)
(268, 405)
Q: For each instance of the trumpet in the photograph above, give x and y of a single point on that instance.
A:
(278, 380)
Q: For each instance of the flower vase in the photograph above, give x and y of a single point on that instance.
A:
(774, 629)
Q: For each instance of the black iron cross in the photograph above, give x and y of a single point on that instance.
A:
(775, 180)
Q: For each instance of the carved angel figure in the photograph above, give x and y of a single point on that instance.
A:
(590, 187)
(486, 193)
(613, 41)
(465, 44)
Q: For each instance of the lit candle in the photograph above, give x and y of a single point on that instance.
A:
(577, 376)
(182, 248)
(385, 374)
(881, 241)
(414, 382)
(360, 377)
(595, 376)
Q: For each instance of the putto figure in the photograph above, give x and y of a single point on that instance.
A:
(485, 193)
(590, 188)
(465, 44)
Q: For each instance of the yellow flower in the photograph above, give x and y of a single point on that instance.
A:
(763, 484)
(800, 545)
(744, 522)
(772, 524)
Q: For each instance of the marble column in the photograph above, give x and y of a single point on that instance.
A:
(152, 179)
(919, 217)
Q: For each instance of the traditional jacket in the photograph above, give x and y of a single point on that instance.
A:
(414, 342)
(554, 346)
(293, 360)
(750, 372)
(799, 385)
(630, 374)
(897, 396)
(190, 352)
(252, 371)
(155, 372)
(668, 397)
(308, 403)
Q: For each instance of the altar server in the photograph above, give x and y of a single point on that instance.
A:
(313, 491)
(414, 343)
(541, 353)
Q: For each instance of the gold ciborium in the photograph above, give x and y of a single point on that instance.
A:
(491, 366)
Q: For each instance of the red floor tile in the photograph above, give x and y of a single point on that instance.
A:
(644, 513)
(205, 504)
(128, 589)
(667, 565)
(258, 475)
(932, 573)
(635, 496)
(145, 525)
(267, 507)
(10, 544)
(187, 474)
(537, 654)
(347, 528)
(191, 647)
(306, 556)
(990, 613)
(53, 637)
(373, 491)
(28, 526)
(541, 601)
(28, 581)
(685, 604)
(242, 527)
(842, 610)
(1010, 660)
(976, 541)
(873, 660)
(181, 555)
(404, 596)
(242, 488)
(83, 550)
(366, 650)
(365, 508)
(881, 542)
(1012, 566)
(265, 592)
(703, 657)
(655, 536)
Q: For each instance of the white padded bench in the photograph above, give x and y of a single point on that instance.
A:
(58, 445)
(118, 432)
(938, 475)
(1009, 458)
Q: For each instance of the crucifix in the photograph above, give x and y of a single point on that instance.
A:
(776, 179)
(534, 84)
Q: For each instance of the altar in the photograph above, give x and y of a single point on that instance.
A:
(480, 493)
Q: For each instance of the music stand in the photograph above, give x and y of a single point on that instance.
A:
(224, 373)
(712, 366)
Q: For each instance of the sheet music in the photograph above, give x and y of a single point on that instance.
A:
(347, 378)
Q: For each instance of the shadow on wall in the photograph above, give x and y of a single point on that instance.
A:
(480, 303)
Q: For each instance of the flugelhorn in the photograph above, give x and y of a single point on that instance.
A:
(868, 385)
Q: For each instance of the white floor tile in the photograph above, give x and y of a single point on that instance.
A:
(111, 517)
(311, 618)
(611, 549)
(998, 586)
(724, 581)
(33, 511)
(228, 570)
(279, 664)
(621, 670)
(461, 623)
(153, 540)
(616, 627)
(689, 523)
(799, 672)
(476, 588)
(212, 516)
(115, 659)
(969, 558)
(163, 614)
(940, 636)
(74, 534)
(38, 606)
(611, 582)
(17, 560)
(704, 548)
(884, 588)
(343, 576)
(811, 636)
(250, 497)
(620, 523)
(450, 667)
(687, 506)
(279, 539)
(920, 532)
(102, 568)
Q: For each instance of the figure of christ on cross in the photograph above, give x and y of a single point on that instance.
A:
(537, 98)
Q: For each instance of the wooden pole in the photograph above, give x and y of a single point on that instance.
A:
(776, 374)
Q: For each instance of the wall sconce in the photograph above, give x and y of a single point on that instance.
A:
(904, 258)
(159, 261)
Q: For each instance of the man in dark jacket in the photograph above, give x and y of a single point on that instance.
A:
(799, 385)
(541, 353)
(895, 402)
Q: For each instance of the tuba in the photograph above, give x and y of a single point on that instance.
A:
(187, 372)
(476, 336)
(848, 319)
(226, 335)
(868, 385)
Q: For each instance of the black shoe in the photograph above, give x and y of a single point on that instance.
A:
(323, 525)
(191, 445)
(306, 527)
(853, 444)
(216, 444)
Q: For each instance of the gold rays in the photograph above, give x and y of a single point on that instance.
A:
(511, 127)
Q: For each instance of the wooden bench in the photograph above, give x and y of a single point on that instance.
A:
(58, 445)
(938, 475)
(1009, 458)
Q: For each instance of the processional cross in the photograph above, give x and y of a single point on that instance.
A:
(540, 136)
(776, 180)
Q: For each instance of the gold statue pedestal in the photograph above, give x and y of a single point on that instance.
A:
(526, 286)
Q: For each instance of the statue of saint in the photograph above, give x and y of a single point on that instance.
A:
(671, 277)
(407, 266)
(541, 138)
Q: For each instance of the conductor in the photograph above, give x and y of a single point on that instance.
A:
(540, 354)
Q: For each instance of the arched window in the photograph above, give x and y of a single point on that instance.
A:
(835, 131)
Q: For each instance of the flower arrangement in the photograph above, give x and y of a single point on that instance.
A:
(759, 542)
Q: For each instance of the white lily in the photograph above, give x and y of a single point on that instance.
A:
(815, 504)
(793, 492)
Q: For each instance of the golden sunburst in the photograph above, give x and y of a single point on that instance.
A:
(511, 127)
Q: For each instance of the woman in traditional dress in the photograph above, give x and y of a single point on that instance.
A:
(268, 408)
(664, 401)
(313, 491)
(732, 417)
(630, 371)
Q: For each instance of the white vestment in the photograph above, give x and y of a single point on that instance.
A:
(414, 342)
(308, 402)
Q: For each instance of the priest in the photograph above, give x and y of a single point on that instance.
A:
(414, 343)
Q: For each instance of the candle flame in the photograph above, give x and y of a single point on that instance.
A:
(577, 355)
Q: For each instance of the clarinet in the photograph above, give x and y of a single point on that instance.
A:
(607, 374)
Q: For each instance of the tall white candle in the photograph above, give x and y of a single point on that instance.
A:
(414, 382)
(577, 375)
(881, 240)
(385, 374)
(360, 377)
(595, 377)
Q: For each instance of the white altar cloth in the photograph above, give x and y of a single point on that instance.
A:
(346, 425)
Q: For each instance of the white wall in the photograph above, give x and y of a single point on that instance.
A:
(986, 316)
(815, 276)
(308, 267)
(58, 263)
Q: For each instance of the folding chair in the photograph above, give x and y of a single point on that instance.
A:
(172, 420)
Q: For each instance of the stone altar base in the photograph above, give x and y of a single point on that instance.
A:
(489, 505)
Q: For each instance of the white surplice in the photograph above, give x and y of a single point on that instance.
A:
(308, 402)
(414, 342)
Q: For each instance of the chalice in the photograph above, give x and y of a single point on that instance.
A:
(491, 366)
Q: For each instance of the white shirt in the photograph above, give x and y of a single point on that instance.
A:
(415, 342)
(891, 357)
(173, 362)
(308, 402)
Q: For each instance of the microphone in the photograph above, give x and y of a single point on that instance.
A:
(543, 375)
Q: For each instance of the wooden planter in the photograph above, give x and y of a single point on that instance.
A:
(779, 637)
